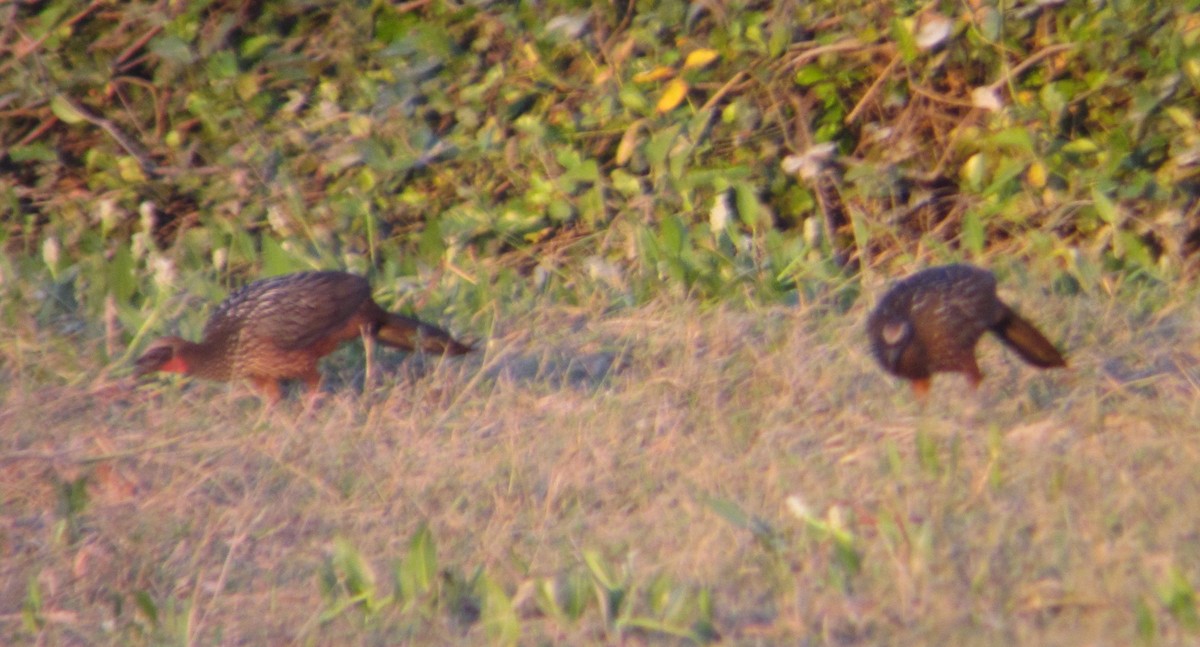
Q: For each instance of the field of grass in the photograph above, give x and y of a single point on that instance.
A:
(665, 223)
(663, 473)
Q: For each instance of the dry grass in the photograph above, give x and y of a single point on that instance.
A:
(1048, 508)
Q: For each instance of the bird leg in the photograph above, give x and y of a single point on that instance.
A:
(920, 387)
(269, 387)
(368, 353)
(312, 388)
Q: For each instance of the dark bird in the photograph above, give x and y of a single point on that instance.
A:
(278, 328)
(930, 322)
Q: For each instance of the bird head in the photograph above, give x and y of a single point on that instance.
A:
(162, 355)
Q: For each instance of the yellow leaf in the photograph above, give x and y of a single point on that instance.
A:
(674, 93)
(657, 74)
(700, 58)
(629, 143)
(1036, 175)
(539, 235)
(531, 54)
(129, 170)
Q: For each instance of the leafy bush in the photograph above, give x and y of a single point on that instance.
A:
(477, 152)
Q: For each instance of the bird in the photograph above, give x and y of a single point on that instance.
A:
(276, 329)
(929, 322)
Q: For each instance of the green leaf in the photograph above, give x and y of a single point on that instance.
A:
(576, 593)
(222, 65)
(660, 145)
(255, 46)
(974, 171)
(810, 75)
(905, 38)
(276, 260)
(973, 232)
(592, 559)
(31, 608)
(625, 183)
(927, 452)
(422, 554)
(990, 22)
(122, 281)
(1105, 207)
(1147, 628)
(1179, 597)
(1081, 146)
(1018, 139)
(172, 49)
(731, 512)
(650, 624)
(748, 207)
(1130, 247)
(431, 38)
(356, 575)
(431, 245)
(63, 109)
(498, 617)
(146, 605)
(390, 25)
(671, 235)
(779, 40)
(35, 152)
(634, 99)
(546, 593)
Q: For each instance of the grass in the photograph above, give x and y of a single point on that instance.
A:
(668, 473)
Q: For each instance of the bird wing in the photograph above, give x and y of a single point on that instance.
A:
(321, 305)
(294, 311)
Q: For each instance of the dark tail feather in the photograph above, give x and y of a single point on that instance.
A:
(1027, 341)
(410, 334)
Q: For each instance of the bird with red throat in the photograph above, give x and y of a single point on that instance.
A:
(277, 329)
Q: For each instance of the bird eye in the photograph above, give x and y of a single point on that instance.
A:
(894, 331)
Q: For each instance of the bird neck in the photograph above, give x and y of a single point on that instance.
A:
(205, 359)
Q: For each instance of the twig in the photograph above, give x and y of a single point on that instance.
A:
(712, 101)
(149, 166)
(135, 46)
(21, 53)
(845, 45)
(873, 90)
(1029, 62)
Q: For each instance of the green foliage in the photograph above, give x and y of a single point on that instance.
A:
(348, 581)
(1179, 597)
(845, 560)
(764, 534)
(476, 158)
(499, 619)
(162, 623)
(32, 608)
(486, 139)
(73, 500)
(423, 598)
(416, 574)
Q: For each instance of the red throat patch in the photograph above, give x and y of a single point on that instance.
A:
(175, 365)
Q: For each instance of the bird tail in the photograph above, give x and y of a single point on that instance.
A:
(410, 334)
(1028, 342)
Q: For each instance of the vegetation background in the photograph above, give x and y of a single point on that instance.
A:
(665, 222)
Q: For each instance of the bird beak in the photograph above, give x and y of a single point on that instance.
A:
(152, 360)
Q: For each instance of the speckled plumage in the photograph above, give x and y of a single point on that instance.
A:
(930, 322)
(278, 328)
